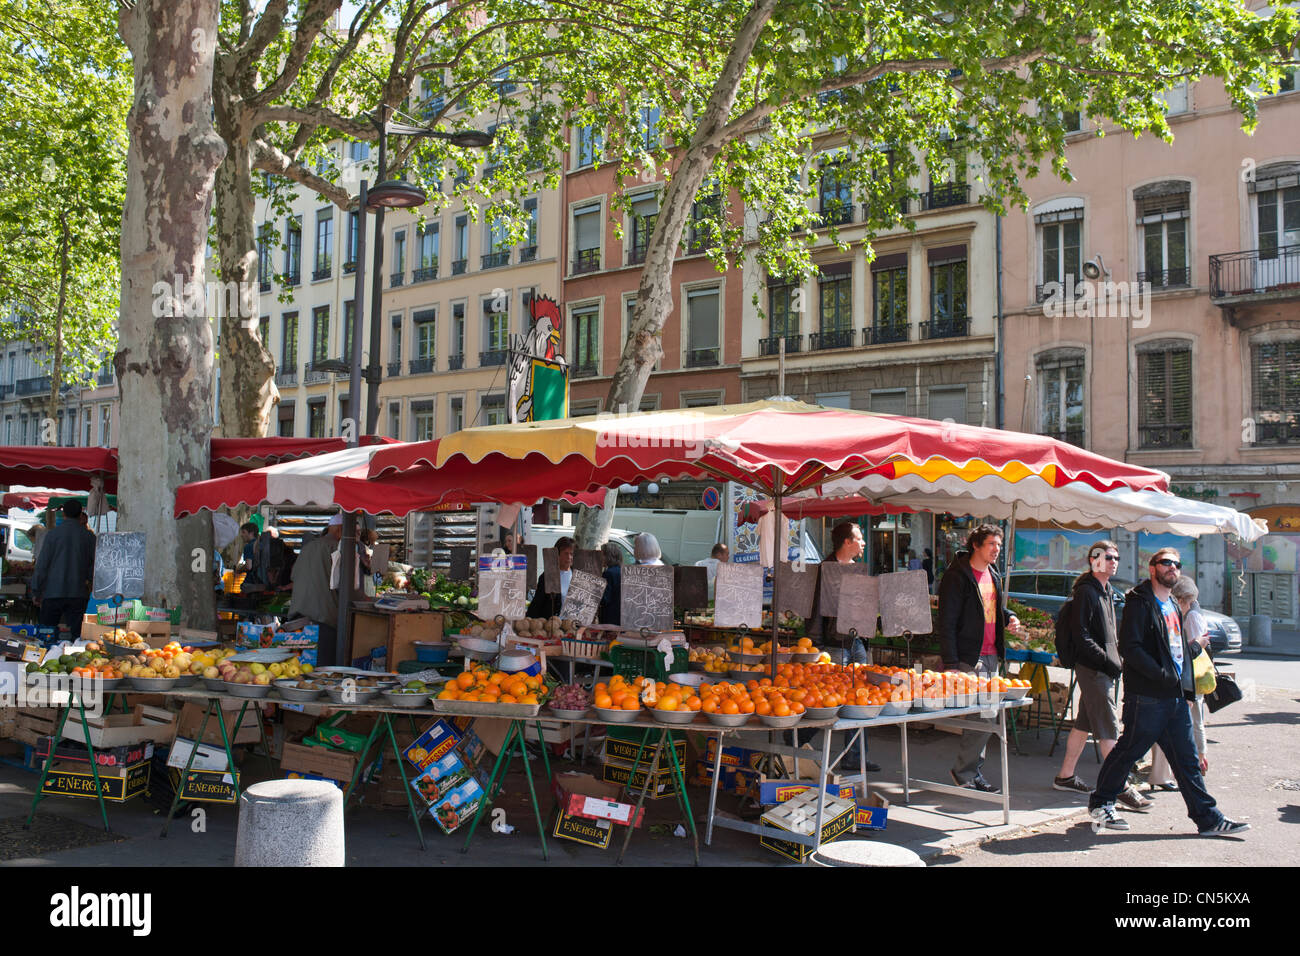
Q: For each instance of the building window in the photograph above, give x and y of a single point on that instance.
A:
(264, 331)
(426, 338)
(350, 261)
(947, 403)
(496, 244)
(528, 252)
(399, 257)
(947, 176)
(461, 262)
(835, 307)
(457, 335)
(316, 419)
(358, 152)
(706, 212)
(496, 330)
(457, 419)
(1061, 395)
(647, 124)
(586, 239)
(783, 308)
(641, 229)
(395, 420)
(493, 410)
(395, 343)
(701, 400)
(889, 299)
(834, 193)
(324, 243)
(320, 334)
(589, 143)
(87, 429)
(1277, 212)
(349, 326)
(422, 421)
(702, 331)
(585, 345)
(1275, 391)
(947, 287)
(1060, 259)
(285, 420)
(889, 401)
(1165, 396)
(1178, 98)
(833, 399)
(105, 425)
(427, 268)
(265, 236)
(1162, 213)
(289, 342)
(293, 251)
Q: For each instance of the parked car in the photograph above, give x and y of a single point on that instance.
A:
(1047, 591)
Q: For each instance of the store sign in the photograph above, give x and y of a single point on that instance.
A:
(538, 381)
(1281, 519)
(119, 565)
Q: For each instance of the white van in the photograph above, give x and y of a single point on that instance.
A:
(17, 545)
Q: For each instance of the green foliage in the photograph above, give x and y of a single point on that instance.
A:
(65, 85)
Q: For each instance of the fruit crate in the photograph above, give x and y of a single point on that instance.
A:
(584, 648)
(648, 662)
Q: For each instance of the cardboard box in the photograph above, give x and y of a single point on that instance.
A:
(662, 786)
(873, 813)
(268, 635)
(438, 739)
(207, 758)
(205, 786)
(624, 752)
(73, 751)
(738, 781)
(322, 761)
(799, 815)
(442, 777)
(582, 795)
(583, 830)
(458, 806)
(155, 633)
(119, 730)
(732, 756)
(298, 775)
(73, 780)
(191, 718)
(771, 792)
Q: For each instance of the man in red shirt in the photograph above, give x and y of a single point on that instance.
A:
(971, 622)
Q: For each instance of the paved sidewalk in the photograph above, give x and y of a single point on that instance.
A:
(1285, 644)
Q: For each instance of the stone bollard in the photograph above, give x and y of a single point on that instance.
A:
(1261, 631)
(865, 853)
(290, 823)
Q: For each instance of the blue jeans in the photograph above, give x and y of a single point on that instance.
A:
(1167, 722)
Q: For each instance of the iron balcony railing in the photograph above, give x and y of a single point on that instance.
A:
(1255, 272)
(420, 366)
(32, 386)
(586, 260)
(772, 344)
(700, 358)
(945, 194)
(835, 339)
(946, 327)
(458, 266)
(1165, 436)
(1165, 278)
(264, 285)
(1071, 436)
(585, 370)
(286, 377)
(492, 357)
(104, 378)
(425, 273)
(528, 254)
(396, 279)
(394, 369)
(321, 273)
(349, 268)
(1286, 431)
(314, 377)
(886, 333)
(838, 214)
(455, 363)
(495, 260)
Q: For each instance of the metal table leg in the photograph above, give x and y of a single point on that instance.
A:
(365, 755)
(502, 759)
(902, 731)
(649, 781)
(713, 791)
(189, 764)
(401, 769)
(64, 711)
(1006, 782)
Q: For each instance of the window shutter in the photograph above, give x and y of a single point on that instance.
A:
(948, 402)
(586, 229)
(424, 315)
(703, 319)
(1180, 388)
(890, 403)
(897, 260)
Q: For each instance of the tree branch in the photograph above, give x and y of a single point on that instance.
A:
(310, 24)
(259, 36)
(358, 128)
(270, 159)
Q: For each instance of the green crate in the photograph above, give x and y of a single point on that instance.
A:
(631, 661)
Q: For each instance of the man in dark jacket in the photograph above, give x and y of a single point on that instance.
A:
(1157, 683)
(547, 603)
(611, 602)
(971, 624)
(1096, 668)
(61, 578)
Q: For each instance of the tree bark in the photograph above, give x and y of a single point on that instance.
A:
(56, 372)
(654, 298)
(164, 360)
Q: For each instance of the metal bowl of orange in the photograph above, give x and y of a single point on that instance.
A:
(728, 720)
(682, 716)
(780, 723)
(616, 715)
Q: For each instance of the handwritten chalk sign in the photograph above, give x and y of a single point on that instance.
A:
(859, 605)
(905, 603)
(583, 600)
(119, 565)
(589, 561)
(550, 571)
(738, 596)
(647, 597)
(530, 554)
(459, 563)
(502, 592)
(797, 589)
(831, 574)
(691, 586)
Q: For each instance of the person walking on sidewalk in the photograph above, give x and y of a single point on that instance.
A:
(1157, 683)
(1186, 593)
(62, 576)
(972, 620)
(1096, 668)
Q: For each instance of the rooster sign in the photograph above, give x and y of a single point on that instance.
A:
(539, 380)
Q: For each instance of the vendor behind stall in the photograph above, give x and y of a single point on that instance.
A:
(545, 603)
(313, 598)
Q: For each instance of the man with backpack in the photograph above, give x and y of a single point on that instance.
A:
(1086, 640)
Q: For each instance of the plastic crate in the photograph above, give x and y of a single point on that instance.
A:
(649, 662)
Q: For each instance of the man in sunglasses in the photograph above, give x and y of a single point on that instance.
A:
(1096, 668)
(1157, 680)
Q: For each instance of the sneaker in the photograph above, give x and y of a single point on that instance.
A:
(1071, 784)
(1105, 816)
(1168, 786)
(976, 783)
(1226, 828)
(1134, 800)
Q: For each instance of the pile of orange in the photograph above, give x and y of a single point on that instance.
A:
(623, 693)
(102, 669)
(761, 697)
(483, 685)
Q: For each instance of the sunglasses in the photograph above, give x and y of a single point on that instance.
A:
(1169, 563)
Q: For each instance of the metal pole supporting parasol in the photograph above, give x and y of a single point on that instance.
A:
(778, 545)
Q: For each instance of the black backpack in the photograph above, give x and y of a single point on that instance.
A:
(1065, 633)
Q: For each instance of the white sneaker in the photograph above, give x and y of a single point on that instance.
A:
(1105, 816)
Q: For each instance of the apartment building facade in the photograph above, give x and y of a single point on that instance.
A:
(1153, 315)
(85, 416)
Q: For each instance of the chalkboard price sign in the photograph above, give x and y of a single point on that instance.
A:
(502, 592)
(738, 594)
(647, 597)
(583, 600)
(119, 565)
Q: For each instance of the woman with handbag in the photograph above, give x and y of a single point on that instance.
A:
(1185, 593)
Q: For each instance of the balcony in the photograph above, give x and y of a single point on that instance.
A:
(946, 327)
(321, 273)
(6, 391)
(585, 370)
(701, 358)
(396, 279)
(1157, 437)
(838, 339)
(455, 363)
(528, 254)
(394, 369)
(425, 273)
(839, 214)
(349, 268)
(886, 333)
(422, 366)
(1255, 275)
(104, 378)
(586, 260)
(285, 377)
(264, 285)
(772, 345)
(314, 377)
(492, 357)
(1283, 432)
(458, 266)
(1071, 436)
(1166, 279)
(495, 260)
(291, 278)
(943, 195)
(32, 386)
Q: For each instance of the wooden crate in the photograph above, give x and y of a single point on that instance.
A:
(397, 632)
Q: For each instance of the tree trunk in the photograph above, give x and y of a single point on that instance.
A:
(654, 299)
(248, 391)
(164, 360)
(56, 372)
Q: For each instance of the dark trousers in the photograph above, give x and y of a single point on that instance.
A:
(69, 611)
(1167, 722)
